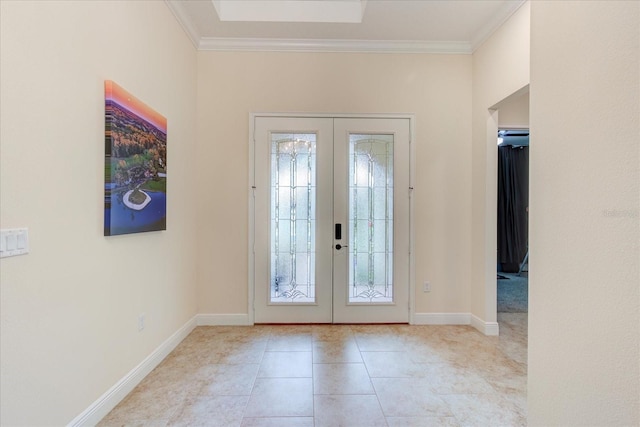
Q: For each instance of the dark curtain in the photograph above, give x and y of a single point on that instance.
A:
(513, 200)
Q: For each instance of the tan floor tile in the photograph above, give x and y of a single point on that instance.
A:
(348, 411)
(381, 342)
(520, 401)
(516, 351)
(281, 397)
(422, 350)
(232, 334)
(341, 378)
(192, 356)
(241, 353)
(485, 409)
(211, 411)
(278, 422)
(332, 332)
(423, 331)
(401, 329)
(515, 320)
(438, 376)
(451, 379)
(296, 342)
(422, 422)
(499, 366)
(134, 423)
(390, 364)
(230, 380)
(290, 330)
(286, 364)
(409, 397)
(513, 334)
(372, 329)
(148, 404)
(342, 351)
(510, 384)
(173, 376)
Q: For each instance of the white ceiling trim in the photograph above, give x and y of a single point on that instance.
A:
(485, 32)
(185, 22)
(332, 45)
(313, 45)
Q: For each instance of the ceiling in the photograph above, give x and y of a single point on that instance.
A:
(420, 26)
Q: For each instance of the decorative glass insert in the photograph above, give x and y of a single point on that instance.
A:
(370, 218)
(293, 218)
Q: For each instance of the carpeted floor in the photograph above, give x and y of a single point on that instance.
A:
(513, 293)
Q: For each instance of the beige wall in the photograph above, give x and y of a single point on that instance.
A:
(514, 112)
(69, 309)
(437, 88)
(500, 69)
(584, 321)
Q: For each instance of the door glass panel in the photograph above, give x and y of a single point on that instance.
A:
(370, 218)
(293, 218)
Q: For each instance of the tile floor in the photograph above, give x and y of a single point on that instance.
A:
(336, 375)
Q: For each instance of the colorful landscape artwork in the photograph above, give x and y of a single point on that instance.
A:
(135, 169)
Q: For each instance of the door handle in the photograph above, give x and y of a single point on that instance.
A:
(339, 246)
(338, 232)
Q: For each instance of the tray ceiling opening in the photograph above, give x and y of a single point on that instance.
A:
(325, 11)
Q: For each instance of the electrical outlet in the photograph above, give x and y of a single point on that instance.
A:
(427, 286)
(141, 322)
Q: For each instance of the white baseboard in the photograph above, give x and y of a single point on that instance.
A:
(101, 407)
(487, 328)
(241, 319)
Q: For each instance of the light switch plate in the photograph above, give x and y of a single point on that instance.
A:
(14, 241)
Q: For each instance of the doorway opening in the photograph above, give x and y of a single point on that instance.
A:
(513, 221)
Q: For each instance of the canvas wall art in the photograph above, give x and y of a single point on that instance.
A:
(135, 190)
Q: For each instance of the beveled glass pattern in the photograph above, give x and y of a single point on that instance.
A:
(293, 217)
(370, 218)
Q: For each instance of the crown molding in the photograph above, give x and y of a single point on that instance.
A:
(330, 45)
(492, 26)
(183, 19)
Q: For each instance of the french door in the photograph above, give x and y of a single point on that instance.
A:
(331, 219)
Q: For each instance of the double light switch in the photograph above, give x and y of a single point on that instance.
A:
(14, 241)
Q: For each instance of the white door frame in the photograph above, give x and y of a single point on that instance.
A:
(251, 198)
